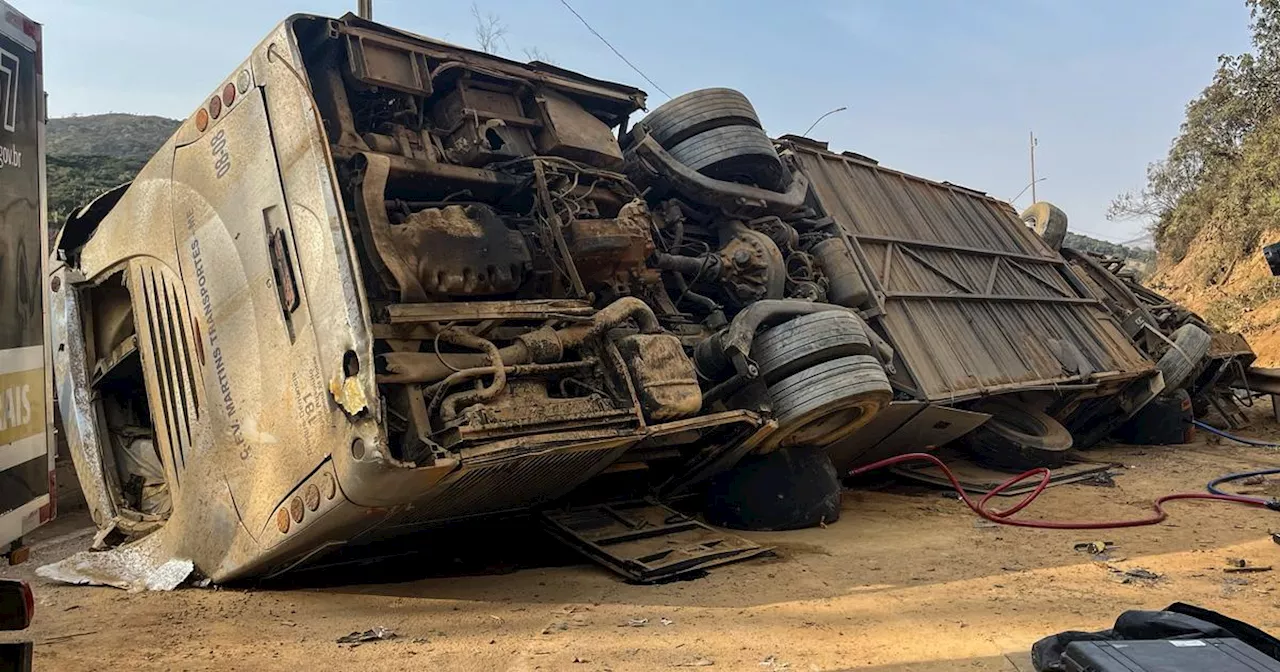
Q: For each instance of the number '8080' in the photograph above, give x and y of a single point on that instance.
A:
(221, 156)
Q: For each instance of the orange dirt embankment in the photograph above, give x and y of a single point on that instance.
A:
(1230, 289)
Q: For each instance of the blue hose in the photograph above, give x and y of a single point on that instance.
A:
(1247, 442)
(1213, 485)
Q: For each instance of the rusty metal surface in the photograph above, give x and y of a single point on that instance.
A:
(973, 301)
(647, 542)
(1229, 344)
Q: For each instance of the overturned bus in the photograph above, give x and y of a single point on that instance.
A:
(377, 283)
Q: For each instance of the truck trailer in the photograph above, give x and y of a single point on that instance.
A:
(26, 431)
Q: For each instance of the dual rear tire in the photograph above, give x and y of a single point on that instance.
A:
(718, 133)
(824, 384)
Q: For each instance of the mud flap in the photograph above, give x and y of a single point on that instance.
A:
(645, 541)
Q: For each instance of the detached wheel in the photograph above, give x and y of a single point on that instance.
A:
(808, 340)
(826, 402)
(1165, 421)
(1049, 222)
(742, 154)
(1190, 345)
(784, 490)
(1018, 438)
(685, 116)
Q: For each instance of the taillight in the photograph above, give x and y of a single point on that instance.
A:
(30, 599)
(17, 605)
(228, 94)
(215, 107)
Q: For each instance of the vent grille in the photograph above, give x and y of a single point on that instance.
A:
(176, 375)
(513, 484)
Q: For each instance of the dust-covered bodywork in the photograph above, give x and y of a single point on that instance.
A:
(376, 283)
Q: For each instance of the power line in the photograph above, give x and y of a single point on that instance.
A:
(611, 48)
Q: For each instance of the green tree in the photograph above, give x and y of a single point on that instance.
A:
(1182, 193)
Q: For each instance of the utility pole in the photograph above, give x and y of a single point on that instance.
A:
(364, 9)
(1033, 165)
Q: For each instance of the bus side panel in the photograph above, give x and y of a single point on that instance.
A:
(25, 461)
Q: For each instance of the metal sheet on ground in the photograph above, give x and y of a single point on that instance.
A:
(978, 480)
(647, 542)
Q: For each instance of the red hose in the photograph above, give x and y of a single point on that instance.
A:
(1003, 517)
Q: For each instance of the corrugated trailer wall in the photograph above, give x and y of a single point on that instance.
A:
(974, 302)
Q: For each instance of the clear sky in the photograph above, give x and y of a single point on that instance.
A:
(947, 89)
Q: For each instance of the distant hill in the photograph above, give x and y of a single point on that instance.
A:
(1087, 244)
(1139, 259)
(120, 136)
(90, 154)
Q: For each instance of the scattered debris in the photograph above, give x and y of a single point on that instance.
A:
(135, 567)
(773, 662)
(700, 662)
(634, 623)
(578, 659)
(667, 621)
(1094, 547)
(1136, 574)
(60, 638)
(1102, 479)
(556, 626)
(377, 633)
(1242, 566)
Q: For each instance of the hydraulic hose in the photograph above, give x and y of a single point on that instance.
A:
(1005, 517)
(1213, 485)
(1238, 439)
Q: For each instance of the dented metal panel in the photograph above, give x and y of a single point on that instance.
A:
(972, 300)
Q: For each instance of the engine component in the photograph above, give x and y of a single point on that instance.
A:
(570, 131)
(542, 345)
(525, 408)
(752, 267)
(845, 285)
(613, 251)
(782, 234)
(483, 125)
(748, 267)
(664, 375)
(463, 250)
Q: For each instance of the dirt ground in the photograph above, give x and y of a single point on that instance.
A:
(908, 579)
